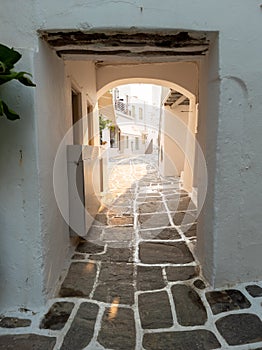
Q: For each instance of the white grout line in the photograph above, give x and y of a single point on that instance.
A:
(98, 264)
(61, 336)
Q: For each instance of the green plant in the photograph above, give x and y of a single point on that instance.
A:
(104, 123)
(8, 58)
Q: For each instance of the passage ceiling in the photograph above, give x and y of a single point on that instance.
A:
(128, 45)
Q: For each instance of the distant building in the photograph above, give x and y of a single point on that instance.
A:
(137, 110)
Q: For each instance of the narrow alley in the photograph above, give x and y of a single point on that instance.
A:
(134, 282)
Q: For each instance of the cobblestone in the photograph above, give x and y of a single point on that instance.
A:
(155, 310)
(57, 316)
(190, 309)
(134, 282)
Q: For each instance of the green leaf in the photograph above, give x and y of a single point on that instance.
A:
(20, 76)
(2, 67)
(10, 114)
(9, 56)
(1, 108)
(25, 80)
(4, 78)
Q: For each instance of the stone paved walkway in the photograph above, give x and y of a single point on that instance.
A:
(134, 282)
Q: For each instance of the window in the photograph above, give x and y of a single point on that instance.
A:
(140, 113)
(133, 111)
(76, 117)
(127, 142)
(137, 143)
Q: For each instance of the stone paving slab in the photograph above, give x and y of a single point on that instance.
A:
(79, 280)
(190, 309)
(189, 230)
(79, 257)
(149, 278)
(181, 273)
(151, 207)
(115, 281)
(186, 340)
(89, 247)
(254, 290)
(101, 219)
(199, 284)
(153, 220)
(154, 310)
(14, 322)
(121, 220)
(116, 254)
(240, 329)
(227, 300)
(162, 253)
(118, 234)
(183, 217)
(82, 328)
(169, 233)
(117, 211)
(118, 329)
(26, 342)
(57, 316)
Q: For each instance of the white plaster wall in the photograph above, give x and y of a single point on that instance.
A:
(173, 136)
(20, 243)
(207, 138)
(53, 119)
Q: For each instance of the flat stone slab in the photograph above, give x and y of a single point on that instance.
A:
(14, 322)
(184, 218)
(125, 202)
(121, 220)
(154, 310)
(115, 254)
(101, 219)
(89, 247)
(153, 220)
(26, 342)
(149, 278)
(116, 272)
(189, 230)
(164, 252)
(240, 329)
(78, 257)
(186, 340)
(190, 309)
(199, 284)
(174, 195)
(118, 234)
(115, 282)
(169, 233)
(81, 331)
(254, 290)
(151, 207)
(57, 316)
(118, 211)
(118, 329)
(79, 280)
(186, 203)
(181, 273)
(227, 300)
(94, 233)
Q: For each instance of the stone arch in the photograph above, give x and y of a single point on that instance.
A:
(180, 76)
(164, 83)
